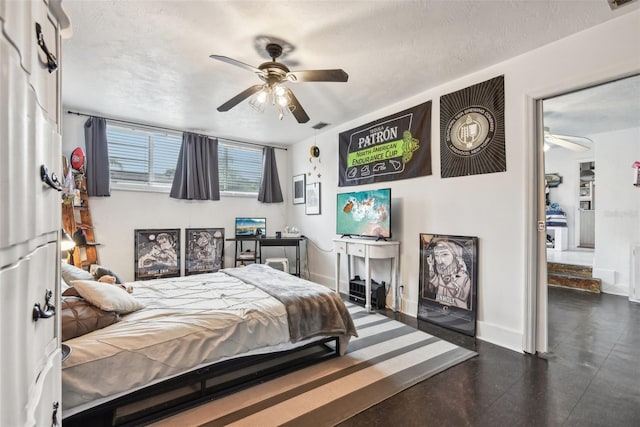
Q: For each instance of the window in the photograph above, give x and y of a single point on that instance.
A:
(144, 157)
(141, 156)
(240, 168)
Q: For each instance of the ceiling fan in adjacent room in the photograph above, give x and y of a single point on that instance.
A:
(570, 142)
(274, 76)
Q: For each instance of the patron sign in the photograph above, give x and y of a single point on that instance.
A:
(391, 148)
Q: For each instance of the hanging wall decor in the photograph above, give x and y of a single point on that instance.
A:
(449, 281)
(312, 206)
(394, 147)
(298, 189)
(314, 160)
(472, 130)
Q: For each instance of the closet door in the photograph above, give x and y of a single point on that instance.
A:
(29, 215)
(31, 359)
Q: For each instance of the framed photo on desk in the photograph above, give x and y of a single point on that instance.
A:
(312, 206)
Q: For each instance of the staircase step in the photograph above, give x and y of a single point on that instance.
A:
(572, 276)
(583, 271)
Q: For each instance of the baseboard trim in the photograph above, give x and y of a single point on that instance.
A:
(508, 338)
(616, 289)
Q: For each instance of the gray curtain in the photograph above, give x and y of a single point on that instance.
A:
(270, 191)
(97, 157)
(196, 175)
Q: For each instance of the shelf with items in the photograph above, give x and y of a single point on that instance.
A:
(586, 195)
(587, 186)
(77, 222)
(247, 251)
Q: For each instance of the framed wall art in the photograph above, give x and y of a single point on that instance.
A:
(204, 250)
(312, 205)
(298, 189)
(157, 253)
(449, 281)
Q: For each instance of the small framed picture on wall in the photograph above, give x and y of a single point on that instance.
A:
(312, 206)
(298, 189)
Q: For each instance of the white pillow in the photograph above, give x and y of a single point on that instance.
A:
(107, 297)
(71, 272)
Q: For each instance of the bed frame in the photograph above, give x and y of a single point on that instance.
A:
(201, 385)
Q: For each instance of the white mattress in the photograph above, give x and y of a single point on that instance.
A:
(188, 322)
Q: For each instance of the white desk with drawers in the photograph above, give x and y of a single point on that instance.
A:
(368, 249)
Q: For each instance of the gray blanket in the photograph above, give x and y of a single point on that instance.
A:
(312, 309)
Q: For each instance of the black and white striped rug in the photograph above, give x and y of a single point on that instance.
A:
(386, 358)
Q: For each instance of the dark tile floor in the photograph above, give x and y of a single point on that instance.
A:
(590, 377)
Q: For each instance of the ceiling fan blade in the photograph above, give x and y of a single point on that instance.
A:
(570, 145)
(318, 76)
(236, 63)
(240, 97)
(577, 139)
(295, 108)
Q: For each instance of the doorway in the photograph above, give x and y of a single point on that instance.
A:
(604, 120)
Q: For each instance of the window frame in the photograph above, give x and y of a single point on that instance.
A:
(164, 187)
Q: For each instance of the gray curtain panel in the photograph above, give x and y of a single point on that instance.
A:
(270, 191)
(196, 176)
(97, 161)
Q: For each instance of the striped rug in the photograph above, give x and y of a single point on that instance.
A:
(386, 358)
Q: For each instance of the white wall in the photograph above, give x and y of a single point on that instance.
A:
(617, 208)
(115, 218)
(492, 207)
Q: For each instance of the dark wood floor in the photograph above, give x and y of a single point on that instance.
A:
(590, 377)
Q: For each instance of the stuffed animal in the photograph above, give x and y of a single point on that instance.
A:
(112, 281)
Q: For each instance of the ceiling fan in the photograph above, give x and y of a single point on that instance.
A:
(274, 75)
(570, 142)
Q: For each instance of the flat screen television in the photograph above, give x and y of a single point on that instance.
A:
(251, 227)
(364, 213)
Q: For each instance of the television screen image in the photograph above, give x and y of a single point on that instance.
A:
(364, 213)
(251, 227)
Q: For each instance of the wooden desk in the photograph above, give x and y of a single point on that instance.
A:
(368, 249)
(266, 241)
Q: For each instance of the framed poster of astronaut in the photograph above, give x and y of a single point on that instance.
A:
(449, 281)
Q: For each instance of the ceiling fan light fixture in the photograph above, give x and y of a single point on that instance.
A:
(259, 100)
(261, 97)
(279, 90)
(283, 101)
(273, 74)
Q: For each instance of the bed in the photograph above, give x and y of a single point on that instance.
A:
(183, 340)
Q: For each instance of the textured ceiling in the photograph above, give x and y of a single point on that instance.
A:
(603, 108)
(149, 61)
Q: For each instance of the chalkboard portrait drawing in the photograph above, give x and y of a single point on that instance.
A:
(204, 253)
(157, 253)
(448, 281)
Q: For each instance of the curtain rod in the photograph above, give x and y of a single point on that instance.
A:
(171, 129)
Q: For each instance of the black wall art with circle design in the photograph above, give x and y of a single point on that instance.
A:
(472, 130)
